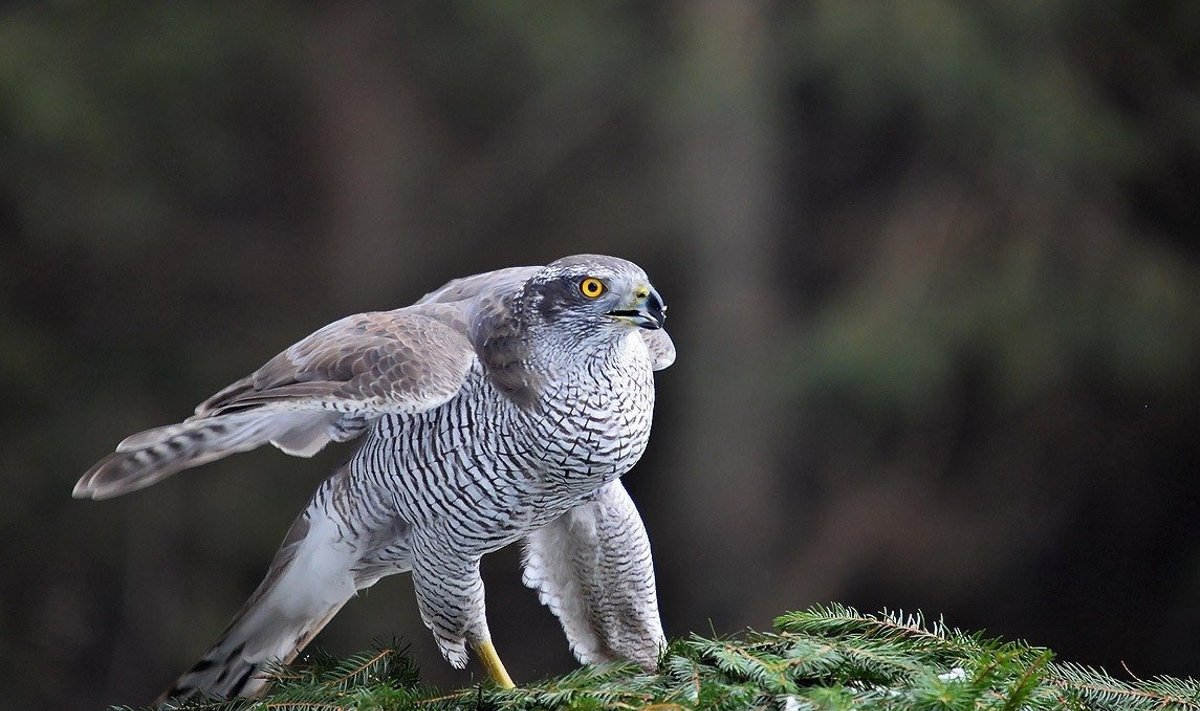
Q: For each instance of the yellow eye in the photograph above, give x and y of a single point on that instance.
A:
(591, 287)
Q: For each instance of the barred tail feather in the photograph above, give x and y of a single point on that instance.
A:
(308, 582)
(227, 670)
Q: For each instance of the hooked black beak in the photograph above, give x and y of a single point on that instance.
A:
(650, 314)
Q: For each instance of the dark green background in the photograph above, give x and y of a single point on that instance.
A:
(932, 268)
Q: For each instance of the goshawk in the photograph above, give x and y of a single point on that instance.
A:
(501, 407)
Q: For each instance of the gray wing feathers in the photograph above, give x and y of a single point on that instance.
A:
(487, 305)
(498, 281)
(151, 456)
(325, 388)
(398, 361)
(329, 386)
(592, 568)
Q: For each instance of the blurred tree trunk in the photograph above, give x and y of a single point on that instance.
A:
(725, 181)
(379, 143)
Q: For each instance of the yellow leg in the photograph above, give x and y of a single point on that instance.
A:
(492, 664)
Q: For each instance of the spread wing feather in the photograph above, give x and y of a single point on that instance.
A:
(332, 384)
(326, 387)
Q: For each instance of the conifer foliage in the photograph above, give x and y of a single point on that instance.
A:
(827, 658)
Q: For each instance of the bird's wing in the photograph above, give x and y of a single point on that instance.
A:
(486, 301)
(326, 387)
(401, 361)
(592, 568)
(472, 287)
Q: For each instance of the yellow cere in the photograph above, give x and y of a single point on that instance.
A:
(591, 287)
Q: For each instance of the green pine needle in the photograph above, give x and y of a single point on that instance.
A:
(826, 658)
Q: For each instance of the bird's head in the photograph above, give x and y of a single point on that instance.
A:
(594, 295)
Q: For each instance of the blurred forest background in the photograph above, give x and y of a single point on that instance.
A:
(933, 268)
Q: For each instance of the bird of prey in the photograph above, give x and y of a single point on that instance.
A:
(501, 407)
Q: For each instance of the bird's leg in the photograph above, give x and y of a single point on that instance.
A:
(492, 664)
(450, 597)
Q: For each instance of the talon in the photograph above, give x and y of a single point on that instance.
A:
(492, 664)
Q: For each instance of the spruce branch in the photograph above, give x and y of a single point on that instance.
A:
(826, 658)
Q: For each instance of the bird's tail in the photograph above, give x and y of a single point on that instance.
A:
(308, 582)
(150, 456)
